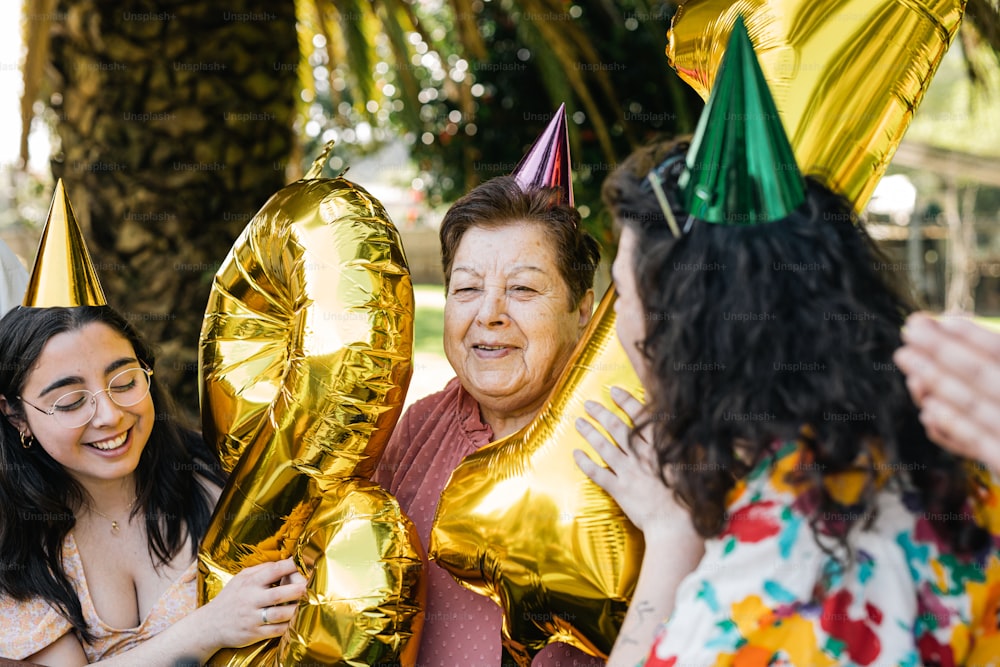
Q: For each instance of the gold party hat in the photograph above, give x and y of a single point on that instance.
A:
(63, 274)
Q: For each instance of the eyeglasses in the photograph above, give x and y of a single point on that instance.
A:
(654, 181)
(77, 408)
(671, 167)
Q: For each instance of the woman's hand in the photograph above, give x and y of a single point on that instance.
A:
(256, 604)
(234, 618)
(952, 369)
(673, 548)
(631, 477)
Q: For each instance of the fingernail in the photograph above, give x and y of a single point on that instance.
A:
(918, 328)
(618, 392)
(903, 356)
(932, 408)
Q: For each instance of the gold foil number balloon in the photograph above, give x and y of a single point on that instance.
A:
(520, 523)
(846, 75)
(305, 358)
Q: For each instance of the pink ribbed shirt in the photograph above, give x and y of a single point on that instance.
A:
(462, 628)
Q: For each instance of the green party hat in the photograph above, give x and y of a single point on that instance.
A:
(740, 168)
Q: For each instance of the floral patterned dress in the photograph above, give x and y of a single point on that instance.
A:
(766, 594)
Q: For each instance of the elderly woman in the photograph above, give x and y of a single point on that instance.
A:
(519, 272)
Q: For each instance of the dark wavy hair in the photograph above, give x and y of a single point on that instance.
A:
(776, 332)
(499, 202)
(38, 497)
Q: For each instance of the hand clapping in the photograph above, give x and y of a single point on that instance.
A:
(952, 369)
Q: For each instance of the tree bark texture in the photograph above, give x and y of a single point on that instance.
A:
(175, 125)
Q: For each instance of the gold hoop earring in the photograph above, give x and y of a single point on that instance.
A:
(27, 440)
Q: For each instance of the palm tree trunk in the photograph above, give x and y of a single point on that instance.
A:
(172, 117)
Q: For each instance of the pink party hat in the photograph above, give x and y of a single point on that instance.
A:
(546, 164)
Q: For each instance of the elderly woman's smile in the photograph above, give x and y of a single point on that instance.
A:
(487, 350)
(510, 324)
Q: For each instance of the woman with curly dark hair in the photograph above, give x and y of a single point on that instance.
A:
(104, 496)
(753, 307)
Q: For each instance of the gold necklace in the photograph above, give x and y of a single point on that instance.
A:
(115, 528)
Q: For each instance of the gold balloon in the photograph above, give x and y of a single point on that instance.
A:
(520, 523)
(846, 75)
(305, 358)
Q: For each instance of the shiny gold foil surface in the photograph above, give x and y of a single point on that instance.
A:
(519, 522)
(847, 75)
(305, 358)
(63, 274)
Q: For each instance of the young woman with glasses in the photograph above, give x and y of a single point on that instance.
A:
(103, 500)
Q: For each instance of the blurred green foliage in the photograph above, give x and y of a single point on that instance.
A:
(469, 84)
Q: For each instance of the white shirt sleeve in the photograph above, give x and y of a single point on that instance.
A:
(13, 279)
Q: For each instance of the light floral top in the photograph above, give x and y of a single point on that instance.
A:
(28, 627)
(766, 594)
